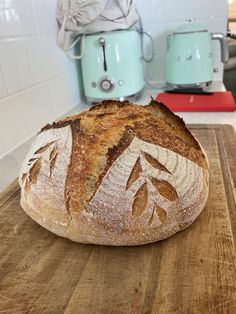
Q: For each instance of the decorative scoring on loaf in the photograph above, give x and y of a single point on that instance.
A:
(44, 148)
(31, 160)
(34, 171)
(160, 212)
(134, 174)
(165, 189)
(41, 155)
(140, 200)
(45, 168)
(155, 163)
(53, 158)
(155, 196)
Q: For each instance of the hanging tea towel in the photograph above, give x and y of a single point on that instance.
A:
(77, 17)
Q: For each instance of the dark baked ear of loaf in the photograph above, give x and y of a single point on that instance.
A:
(173, 122)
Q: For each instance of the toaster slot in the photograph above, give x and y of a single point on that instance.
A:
(101, 42)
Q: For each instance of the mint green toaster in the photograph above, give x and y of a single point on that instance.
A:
(112, 65)
(189, 59)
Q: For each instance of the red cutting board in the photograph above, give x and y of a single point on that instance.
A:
(218, 101)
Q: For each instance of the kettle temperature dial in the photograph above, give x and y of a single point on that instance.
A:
(106, 84)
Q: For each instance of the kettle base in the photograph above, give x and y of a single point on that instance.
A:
(203, 85)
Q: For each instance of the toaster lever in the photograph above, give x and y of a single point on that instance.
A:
(101, 42)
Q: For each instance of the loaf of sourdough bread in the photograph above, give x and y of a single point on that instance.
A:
(116, 174)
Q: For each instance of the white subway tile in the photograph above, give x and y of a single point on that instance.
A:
(155, 70)
(215, 25)
(45, 58)
(27, 61)
(14, 63)
(65, 92)
(156, 10)
(45, 14)
(16, 18)
(3, 86)
(23, 114)
(159, 33)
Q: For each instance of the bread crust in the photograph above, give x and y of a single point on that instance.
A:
(122, 174)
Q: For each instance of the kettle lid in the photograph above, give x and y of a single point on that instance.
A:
(190, 28)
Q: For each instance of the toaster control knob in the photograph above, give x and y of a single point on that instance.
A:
(106, 84)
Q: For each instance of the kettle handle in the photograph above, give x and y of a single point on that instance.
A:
(223, 46)
(142, 33)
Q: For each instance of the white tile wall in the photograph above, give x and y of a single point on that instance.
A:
(153, 11)
(3, 86)
(45, 58)
(16, 18)
(23, 115)
(64, 92)
(45, 23)
(155, 70)
(38, 82)
(26, 61)
(15, 63)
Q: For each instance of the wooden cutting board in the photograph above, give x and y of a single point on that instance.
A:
(194, 271)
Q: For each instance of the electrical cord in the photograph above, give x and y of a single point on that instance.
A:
(140, 29)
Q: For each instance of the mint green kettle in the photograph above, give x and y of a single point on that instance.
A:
(189, 59)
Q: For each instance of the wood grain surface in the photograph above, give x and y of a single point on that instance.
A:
(194, 271)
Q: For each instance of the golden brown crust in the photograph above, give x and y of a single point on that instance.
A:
(174, 122)
(80, 173)
(99, 137)
(102, 133)
(155, 134)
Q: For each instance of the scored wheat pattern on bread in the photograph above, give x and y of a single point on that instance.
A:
(141, 197)
(43, 175)
(147, 184)
(47, 153)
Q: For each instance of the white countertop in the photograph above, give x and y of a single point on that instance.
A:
(196, 117)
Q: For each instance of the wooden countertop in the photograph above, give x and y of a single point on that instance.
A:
(194, 271)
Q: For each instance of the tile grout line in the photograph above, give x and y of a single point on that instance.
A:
(41, 83)
(4, 81)
(35, 17)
